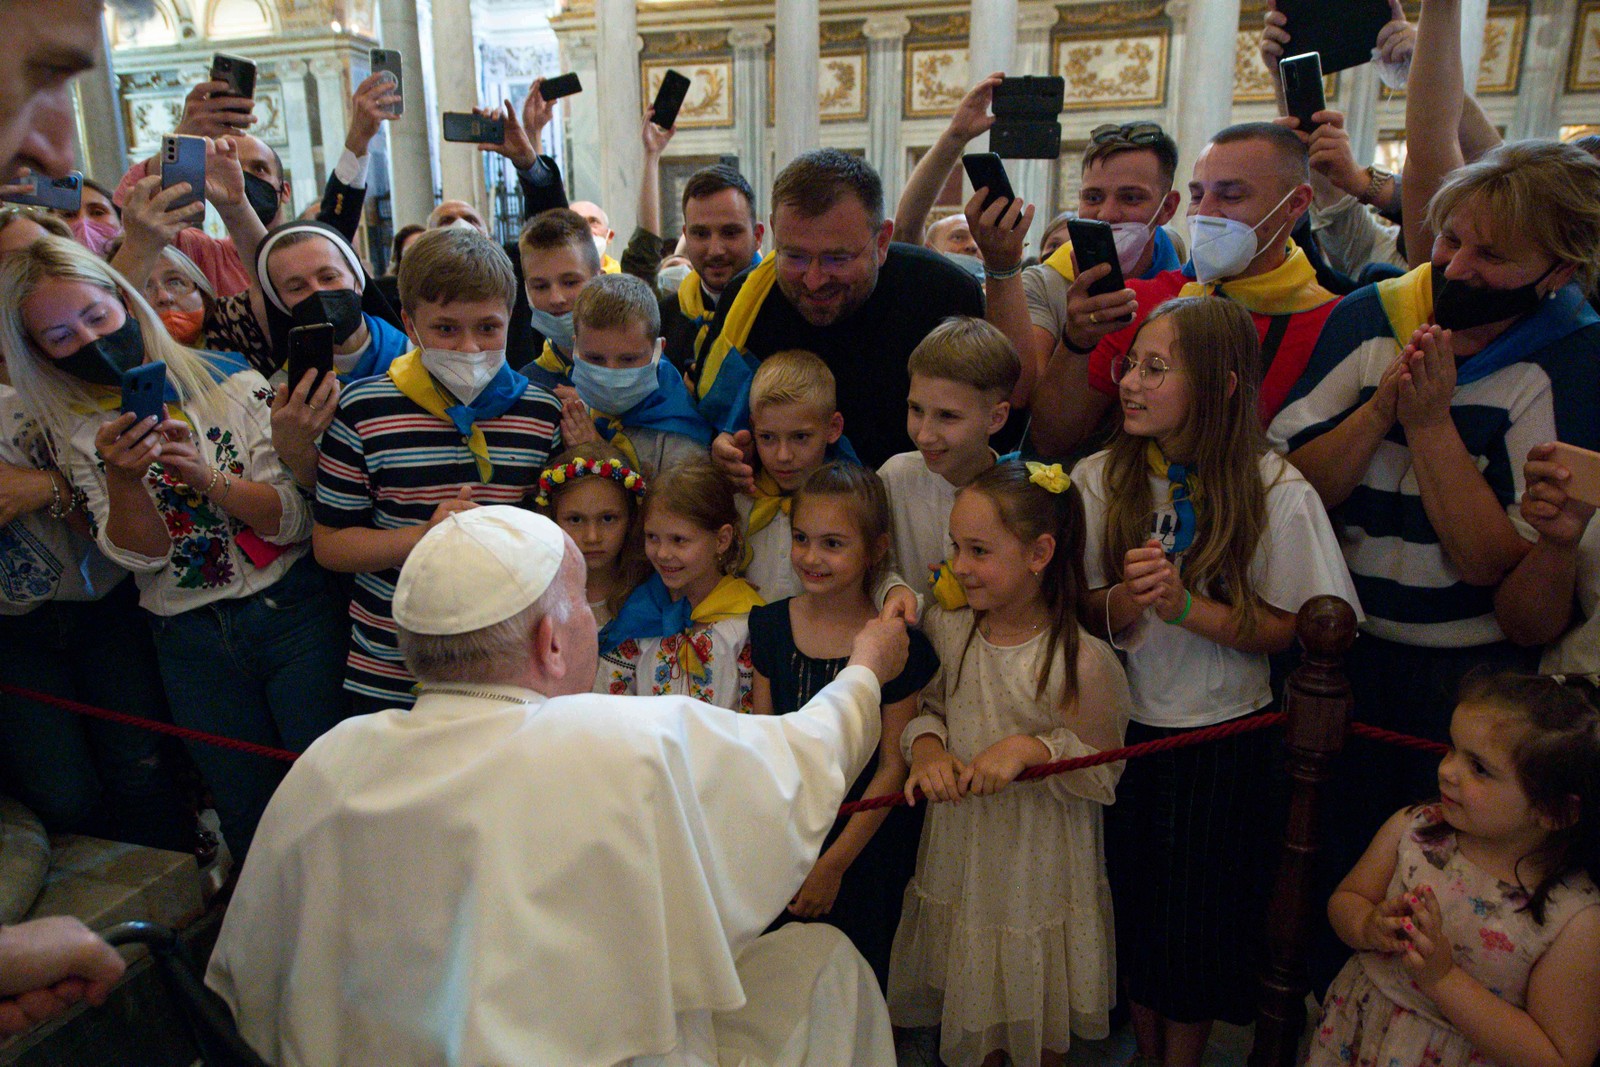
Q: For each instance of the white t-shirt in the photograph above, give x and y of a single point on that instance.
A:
(1178, 678)
(1579, 651)
(771, 569)
(920, 502)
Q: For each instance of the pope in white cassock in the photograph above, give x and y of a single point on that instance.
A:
(518, 872)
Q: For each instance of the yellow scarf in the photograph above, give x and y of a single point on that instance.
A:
(609, 265)
(413, 379)
(947, 591)
(554, 361)
(732, 597)
(1408, 302)
(1287, 289)
(770, 500)
(1060, 261)
(736, 327)
(618, 439)
(692, 302)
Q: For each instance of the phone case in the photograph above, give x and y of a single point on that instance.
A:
(464, 127)
(1584, 466)
(1092, 245)
(183, 159)
(388, 61)
(144, 390)
(310, 348)
(669, 98)
(985, 171)
(1302, 88)
(1342, 31)
(258, 551)
(64, 193)
(1038, 97)
(559, 86)
(1025, 139)
(237, 71)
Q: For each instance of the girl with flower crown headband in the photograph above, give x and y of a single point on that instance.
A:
(1005, 939)
(1202, 545)
(592, 493)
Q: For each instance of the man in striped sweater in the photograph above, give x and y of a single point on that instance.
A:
(448, 427)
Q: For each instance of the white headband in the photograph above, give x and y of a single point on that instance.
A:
(320, 229)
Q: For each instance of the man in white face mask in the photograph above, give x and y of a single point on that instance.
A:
(600, 228)
(1251, 185)
(448, 426)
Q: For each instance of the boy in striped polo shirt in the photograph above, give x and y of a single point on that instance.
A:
(449, 426)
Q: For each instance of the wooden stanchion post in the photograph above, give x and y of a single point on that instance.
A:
(1318, 703)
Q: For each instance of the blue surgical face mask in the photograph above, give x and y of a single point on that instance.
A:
(556, 328)
(614, 390)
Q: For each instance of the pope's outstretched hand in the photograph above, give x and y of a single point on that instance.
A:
(882, 647)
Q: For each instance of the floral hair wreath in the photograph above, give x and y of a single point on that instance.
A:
(1050, 478)
(620, 473)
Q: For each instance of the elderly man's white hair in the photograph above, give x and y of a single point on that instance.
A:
(496, 653)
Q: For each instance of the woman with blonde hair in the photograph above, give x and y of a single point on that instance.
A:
(249, 635)
(1415, 419)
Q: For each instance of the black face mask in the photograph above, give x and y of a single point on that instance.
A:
(103, 360)
(1459, 306)
(339, 308)
(263, 198)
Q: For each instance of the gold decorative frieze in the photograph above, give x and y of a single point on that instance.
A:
(842, 87)
(941, 27)
(1252, 81)
(686, 43)
(845, 32)
(709, 101)
(1112, 69)
(936, 79)
(1503, 34)
(1105, 16)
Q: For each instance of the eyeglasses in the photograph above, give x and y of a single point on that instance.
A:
(1142, 133)
(1152, 370)
(792, 262)
(174, 284)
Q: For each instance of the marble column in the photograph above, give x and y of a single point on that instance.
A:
(582, 124)
(1361, 111)
(749, 42)
(333, 104)
(300, 160)
(621, 112)
(991, 38)
(102, 147)
(1203, 94)
(886, 86)
(1474, 16)
(1035, 179)
(1544, 71)
(410, 149)
(799, 72)
(455, 69)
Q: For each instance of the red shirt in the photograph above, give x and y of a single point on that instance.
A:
(1288, 363)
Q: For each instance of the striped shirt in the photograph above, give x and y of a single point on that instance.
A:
(1410, 589)
(387, 464)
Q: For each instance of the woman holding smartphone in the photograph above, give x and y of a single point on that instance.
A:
(249, 635)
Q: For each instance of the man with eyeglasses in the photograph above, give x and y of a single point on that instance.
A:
(1250, 186)
(836, 286)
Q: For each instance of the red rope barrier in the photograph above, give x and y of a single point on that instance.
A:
(150, 724)
(1390, 737)
(890, 800)
(1110, 755)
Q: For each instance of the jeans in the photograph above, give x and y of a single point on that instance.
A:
(82, 775)
(268, 669)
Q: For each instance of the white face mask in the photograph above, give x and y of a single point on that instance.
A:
(670, 278)
(1131, 238)
(600, 244)
(1224, 248)
(465, 374)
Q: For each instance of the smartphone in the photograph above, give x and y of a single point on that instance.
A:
(1026, 111)
(669, 98)
(183, 159)
(144, 391)
(985, 171)
(238, 72)
(562, 85)
(63, 194)
(310, 348)
(1585, 468)
(1302, 88)
(473, 129)
(1341, 31)
(387, 61)
(1093, 243)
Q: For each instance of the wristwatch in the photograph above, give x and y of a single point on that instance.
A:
(1376, 178)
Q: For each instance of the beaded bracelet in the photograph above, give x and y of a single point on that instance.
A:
(1002, 275)
(216, 472)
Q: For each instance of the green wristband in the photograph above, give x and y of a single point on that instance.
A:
(1188, 602)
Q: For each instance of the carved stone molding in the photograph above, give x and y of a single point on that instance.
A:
(686, 43)
(749, 35)
(950, 27)
(886, 27)
(1032, 18)
(836, 33)
(520, 61)
(1122, 13)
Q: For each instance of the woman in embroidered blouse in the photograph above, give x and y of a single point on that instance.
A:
(249, 634)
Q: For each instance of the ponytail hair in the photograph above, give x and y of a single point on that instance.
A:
(1029, 511)
(866, 499)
